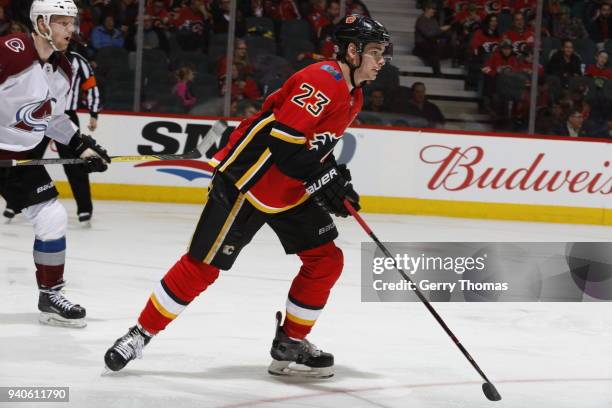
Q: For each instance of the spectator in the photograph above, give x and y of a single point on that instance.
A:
(106, 35)
(465, 23)
(326, 45)
(159, 11)
(429, 38)
(565, 64)
(242, 87)
(599, 70)
(153, 38)
(566, 26)
(357, 7)
(525, 7)
(485, 40)
(99, 9)
(573, 126)
(220, 10)
(256, 8)
(520, 34)
(483, 43)
(182, 88)
(15, 27)
(376, 101)
(246, 108)
(600, 27)
(282, 10)
(86, 24)
(241, 59)
(318, 17)
(419, 106)
(126, 12)
(192, 22)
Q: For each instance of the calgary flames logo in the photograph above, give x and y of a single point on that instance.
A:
(34, 117)
(321, 139)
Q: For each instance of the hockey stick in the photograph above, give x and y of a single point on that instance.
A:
(488, 388)
(211, 137)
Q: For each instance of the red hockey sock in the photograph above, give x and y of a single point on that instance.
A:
(181, 284)
(321, 268)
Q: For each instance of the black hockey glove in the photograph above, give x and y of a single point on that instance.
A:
(87, 148)
(330, 187)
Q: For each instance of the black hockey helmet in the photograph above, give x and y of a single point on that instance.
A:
(360, 30)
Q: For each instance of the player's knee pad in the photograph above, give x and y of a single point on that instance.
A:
(324, 261)
(200, 271)
(49, 219)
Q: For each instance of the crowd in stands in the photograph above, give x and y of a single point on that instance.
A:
(184, 58)
(494, 41)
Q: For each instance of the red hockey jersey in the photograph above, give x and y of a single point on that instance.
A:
(272, 153)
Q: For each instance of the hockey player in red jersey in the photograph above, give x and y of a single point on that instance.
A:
(35, 78)
(278, 169)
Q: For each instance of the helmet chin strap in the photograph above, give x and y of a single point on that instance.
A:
(47, 36)
(353, 68)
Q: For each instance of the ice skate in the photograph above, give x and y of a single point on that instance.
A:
(57, 310)
(126, 348)
(298, 358)
(8, 215)
(84, 219)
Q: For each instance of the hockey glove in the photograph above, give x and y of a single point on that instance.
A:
(330, 187)
(87, 148)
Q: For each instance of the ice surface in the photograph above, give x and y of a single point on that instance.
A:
(216, 353)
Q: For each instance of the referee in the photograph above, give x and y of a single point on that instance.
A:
(83, 90)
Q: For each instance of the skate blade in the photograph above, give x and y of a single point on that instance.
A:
(52, 319)
(85, 224)
(291, 369)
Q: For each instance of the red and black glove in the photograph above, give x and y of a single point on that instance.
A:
(330, 187)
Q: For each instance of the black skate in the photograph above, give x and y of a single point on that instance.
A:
(84, 219)
(126, 348)
(298, 358)
(56, 310)
(8, 214)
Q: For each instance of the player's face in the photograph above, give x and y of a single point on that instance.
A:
(372, 61)
(62, 28)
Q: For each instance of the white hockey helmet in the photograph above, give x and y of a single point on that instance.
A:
(48, 8)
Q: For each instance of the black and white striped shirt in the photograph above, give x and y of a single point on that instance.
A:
(83, 81)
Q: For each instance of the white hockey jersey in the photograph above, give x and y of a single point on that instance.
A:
(33, 95)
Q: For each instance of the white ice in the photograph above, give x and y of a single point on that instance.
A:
(215, 354)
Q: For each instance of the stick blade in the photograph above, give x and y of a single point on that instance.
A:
(213, 136)
(491, 392)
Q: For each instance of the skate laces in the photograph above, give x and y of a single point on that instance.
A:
(59, 300)
(130, 346)
(310, 348)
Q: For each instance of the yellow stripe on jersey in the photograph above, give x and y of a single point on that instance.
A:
(297, 320)
(254, 168)
(161, 309)
(262, 123)
(272, 210)
(226, 226)
(279, 134)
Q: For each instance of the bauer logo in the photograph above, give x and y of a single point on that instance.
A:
(44, 188)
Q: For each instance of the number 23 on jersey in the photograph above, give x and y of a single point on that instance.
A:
(314, 105)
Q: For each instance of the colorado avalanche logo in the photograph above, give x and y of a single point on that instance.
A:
(15, 45)
(34, 117)
(187, 169)
(321, 139)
